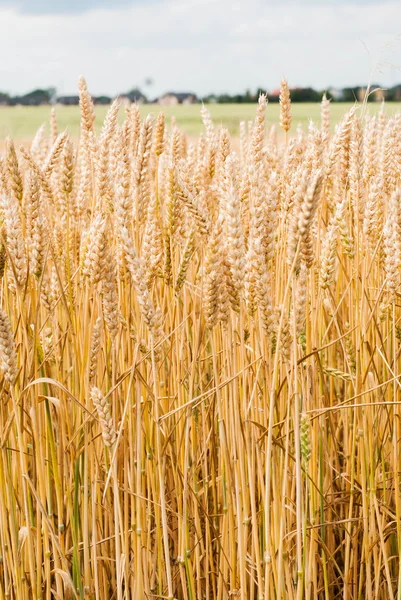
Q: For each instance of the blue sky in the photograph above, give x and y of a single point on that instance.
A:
(197, 45)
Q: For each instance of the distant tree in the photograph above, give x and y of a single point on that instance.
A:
(259, 92)
(249, 97)
(210, 99)
(35, 98)
(305, 95)
(52, 94)
(136, 95)
(350, 94)
(102, 99)
(329, 95)
(4, 99)
(224, 99)
(394, 93)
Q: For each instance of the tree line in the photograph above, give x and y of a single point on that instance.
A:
(308, 94)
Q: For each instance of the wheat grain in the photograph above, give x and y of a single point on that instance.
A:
(234, 322)
(106, 420)
(285, 106)
(8, 355)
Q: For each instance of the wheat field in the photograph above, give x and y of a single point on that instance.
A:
(200, 355)
(22, 122)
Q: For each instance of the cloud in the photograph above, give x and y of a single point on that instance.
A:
(80, 6)
(61, 6)
(200, 45)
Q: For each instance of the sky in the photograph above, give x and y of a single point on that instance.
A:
(204, 46)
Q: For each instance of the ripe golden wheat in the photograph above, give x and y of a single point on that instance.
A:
(200, 355)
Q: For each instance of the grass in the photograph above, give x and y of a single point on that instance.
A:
(21, 123)
(199, 362)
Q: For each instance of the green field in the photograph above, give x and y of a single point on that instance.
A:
(22, 122)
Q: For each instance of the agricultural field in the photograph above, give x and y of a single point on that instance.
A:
(21, 123)
(200, 354)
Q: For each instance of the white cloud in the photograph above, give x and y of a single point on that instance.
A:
(200, 45)
(59, 6)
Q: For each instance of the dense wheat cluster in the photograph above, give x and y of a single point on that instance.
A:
(200, 360)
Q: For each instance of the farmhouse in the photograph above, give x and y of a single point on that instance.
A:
(74, 100)
(68, 100)
(105, 100)
(375, 94)
(173, 98)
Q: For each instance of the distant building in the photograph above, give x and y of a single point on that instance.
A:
(135, 95)
(173, 98)
(127, 99)
(361, 94)
(74, 100)
(124, 100)
(101, 100)
(379, 95)
(336, 94)
(376, 94)
(68, 100)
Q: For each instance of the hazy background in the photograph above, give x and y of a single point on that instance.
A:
(202, 46)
